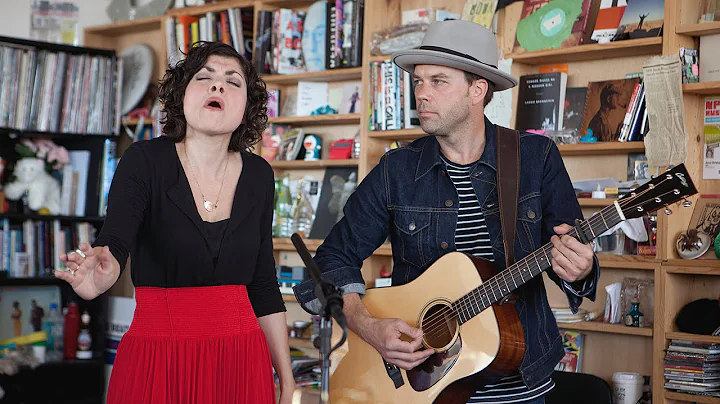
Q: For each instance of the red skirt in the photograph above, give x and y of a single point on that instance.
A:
(192, 345)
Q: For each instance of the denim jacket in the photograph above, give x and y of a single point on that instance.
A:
(410, 197)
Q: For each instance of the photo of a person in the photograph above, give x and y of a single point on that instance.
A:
(354, 98)
(600, 123)
(351, 98)
(16, 315)
(606, 105)
(36, 315)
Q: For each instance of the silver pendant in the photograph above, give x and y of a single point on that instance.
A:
(208, 206)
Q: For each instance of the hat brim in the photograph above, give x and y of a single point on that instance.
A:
(407, 60)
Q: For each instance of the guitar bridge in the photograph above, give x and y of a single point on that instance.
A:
(394, 373)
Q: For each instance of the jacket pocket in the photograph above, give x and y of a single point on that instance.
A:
(412, 229)
(529, 217)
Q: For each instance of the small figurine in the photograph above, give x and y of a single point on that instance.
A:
(313, 147)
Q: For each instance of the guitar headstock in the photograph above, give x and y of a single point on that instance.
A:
(668, 187)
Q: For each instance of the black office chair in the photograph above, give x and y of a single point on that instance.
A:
(579, 388)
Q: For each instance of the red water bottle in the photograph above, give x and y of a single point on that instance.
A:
(72, 328)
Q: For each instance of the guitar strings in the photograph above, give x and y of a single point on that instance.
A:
(434, 321)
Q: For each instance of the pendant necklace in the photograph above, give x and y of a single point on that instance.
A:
(208, 205)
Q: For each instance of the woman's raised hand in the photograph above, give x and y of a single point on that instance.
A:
(91, 271)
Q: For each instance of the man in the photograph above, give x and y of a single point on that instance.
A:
(438, 195)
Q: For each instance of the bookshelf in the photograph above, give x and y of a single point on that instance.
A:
(609, 347)
(31, 117)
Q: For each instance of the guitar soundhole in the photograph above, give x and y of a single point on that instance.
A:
(439, 325)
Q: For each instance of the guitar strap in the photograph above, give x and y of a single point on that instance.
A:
(508, 178)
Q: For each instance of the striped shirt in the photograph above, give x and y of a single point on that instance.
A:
(472, 237)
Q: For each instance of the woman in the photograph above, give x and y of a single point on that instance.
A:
(194, 209)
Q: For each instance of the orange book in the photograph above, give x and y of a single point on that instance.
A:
(225, 34)
(182, 32)
(609, 18)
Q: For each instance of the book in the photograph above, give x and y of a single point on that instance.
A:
(709, 61)
(606, 105)
(573, 345)
(641, 19)
(541, 101)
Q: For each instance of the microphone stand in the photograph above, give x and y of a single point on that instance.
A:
(331, 307)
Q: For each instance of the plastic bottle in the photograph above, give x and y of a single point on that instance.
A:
(84, 338)
(72, 327)
(53, 325)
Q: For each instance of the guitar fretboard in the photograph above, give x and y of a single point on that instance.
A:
(511, 278)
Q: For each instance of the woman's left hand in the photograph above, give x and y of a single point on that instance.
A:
(286, 393)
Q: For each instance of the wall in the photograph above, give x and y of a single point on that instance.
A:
(15, 16)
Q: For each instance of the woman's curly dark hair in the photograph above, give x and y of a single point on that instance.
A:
(172, 87)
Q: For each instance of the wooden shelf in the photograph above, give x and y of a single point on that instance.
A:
(706, 88)
(598, 326)
(384, 250)
(126, 27)
(400, 134)
(287, 298)
(134, 121)
(381, 58)
(692, 398)
(284, 244)
(302, 164)
(596, 202)
(692, 267)
(332, 75)
(631, 47)
(702, 29)
(692, 337)
(209, 8)
(627, 261)
(584, 149)
(333, 119)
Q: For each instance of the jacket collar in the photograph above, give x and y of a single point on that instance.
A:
(430, 155)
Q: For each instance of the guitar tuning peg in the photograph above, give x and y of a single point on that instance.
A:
(667, 211)
(686, 203)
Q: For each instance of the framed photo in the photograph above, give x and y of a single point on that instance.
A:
(706, 215)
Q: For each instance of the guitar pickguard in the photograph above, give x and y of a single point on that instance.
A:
(434, 368)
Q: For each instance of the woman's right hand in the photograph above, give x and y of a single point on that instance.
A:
(91, 275)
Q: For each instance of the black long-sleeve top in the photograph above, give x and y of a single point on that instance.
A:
(152, 216)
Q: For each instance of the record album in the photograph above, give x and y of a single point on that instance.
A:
(549, 26)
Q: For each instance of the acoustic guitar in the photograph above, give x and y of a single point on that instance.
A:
(458, 304)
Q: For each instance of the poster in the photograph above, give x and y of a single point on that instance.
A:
(52, 21)
(711, 131)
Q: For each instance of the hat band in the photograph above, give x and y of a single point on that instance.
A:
(452, 52)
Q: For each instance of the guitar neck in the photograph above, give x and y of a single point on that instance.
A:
(511, 278)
